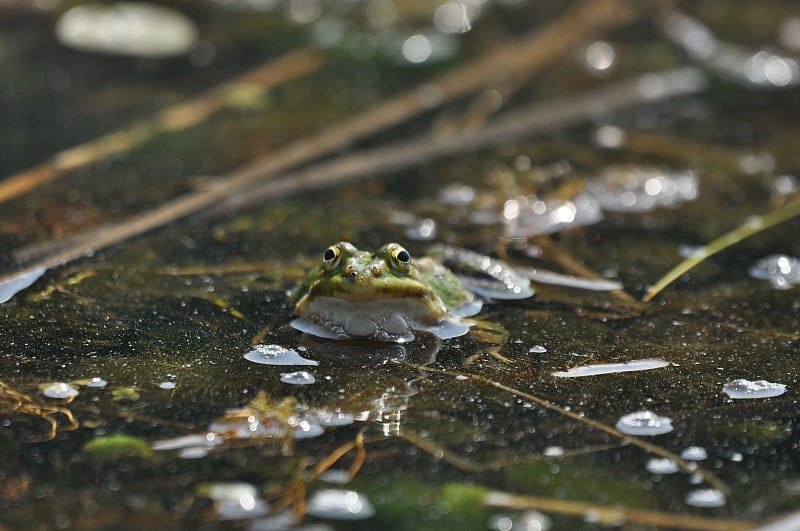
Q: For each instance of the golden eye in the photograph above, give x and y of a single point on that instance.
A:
(330, 254)
(400, 258)
(401, 255)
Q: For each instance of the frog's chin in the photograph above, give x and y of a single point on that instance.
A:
(381, 320)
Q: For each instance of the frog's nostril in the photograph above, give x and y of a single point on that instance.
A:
(376, 271)
(349, 271)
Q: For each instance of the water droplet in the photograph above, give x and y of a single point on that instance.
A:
(454, 17)
(782, 271)
(331, 419)
(167, 385)
(305, 428)
(59, 390)
(338, 504)
(785, 184)
(193, 452)
(195, 440)
(417, 49)
(336, 477)
(694, 453)
(644, 423)
(237, 501)
(305, 11)
(456, 194)
(642, 188)
(662, 466)
(741, 389)
(609, 136)
(298, 378)
(538, 216)
(96, 382)
(600, 56)
(705, 498)
(553, 451)
(276, 355)
(528, 520)
(126, 28)
(422, 230)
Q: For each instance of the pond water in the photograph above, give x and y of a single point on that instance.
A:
(161, 203)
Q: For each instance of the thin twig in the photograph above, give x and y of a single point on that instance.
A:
(707, 476)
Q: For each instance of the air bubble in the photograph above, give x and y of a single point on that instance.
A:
(644, 423)
(298, 378)
(743, 389)
(59, 390)
(276, 355)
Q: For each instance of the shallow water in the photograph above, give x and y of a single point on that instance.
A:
(180, 337)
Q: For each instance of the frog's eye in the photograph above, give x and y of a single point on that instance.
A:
(400, 258)
(331, 254)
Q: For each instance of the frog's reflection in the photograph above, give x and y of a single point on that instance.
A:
(373, 354)
(378, 388)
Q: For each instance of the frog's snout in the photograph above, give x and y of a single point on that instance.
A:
(349, 271)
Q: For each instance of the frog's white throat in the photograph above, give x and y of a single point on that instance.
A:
(380, 320)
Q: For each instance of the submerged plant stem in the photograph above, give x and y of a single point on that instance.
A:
(707, 476)
(749, 228)
(12, 402)
(333, 457)
(612, 515)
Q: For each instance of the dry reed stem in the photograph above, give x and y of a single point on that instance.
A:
(174, 118)
(525, 121)
(530, 53)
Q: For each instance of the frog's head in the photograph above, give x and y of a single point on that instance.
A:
(356, 289)
(350, 274)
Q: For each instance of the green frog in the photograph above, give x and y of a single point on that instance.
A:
(382, 296)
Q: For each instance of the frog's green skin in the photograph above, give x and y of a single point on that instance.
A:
(382, 295)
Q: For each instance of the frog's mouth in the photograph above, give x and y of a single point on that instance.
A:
(381, 320)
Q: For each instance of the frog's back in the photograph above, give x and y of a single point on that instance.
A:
(443, 282)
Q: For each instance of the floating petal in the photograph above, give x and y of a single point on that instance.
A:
(17, 283)
(742, 388)
(298, 378)
(642, 188)
(706, 498)
(338, 504)
(612, 368)
(644, 423)
(694, 453)
(59, 390)
(276, 355)
(663, 465)
(134, 29)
